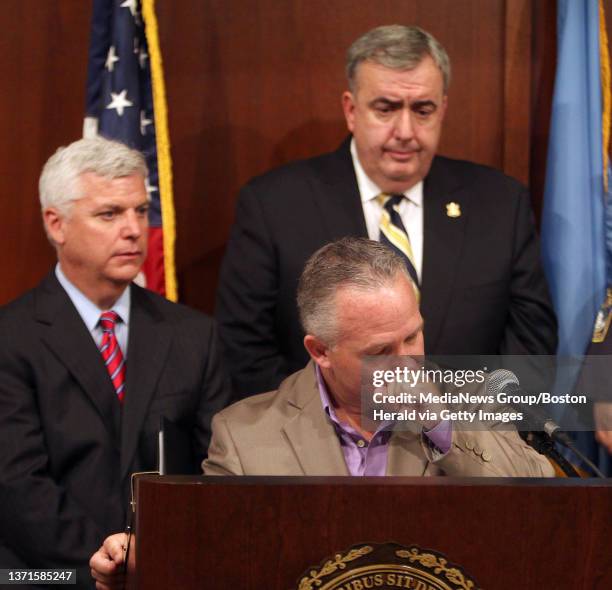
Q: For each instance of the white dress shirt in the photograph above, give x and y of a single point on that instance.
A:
(90, 313)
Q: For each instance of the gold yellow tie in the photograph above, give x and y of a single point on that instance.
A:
(394, 234)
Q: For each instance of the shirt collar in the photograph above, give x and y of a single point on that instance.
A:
(368, 190)
(88, 310)
(325, 399)
(328, 408)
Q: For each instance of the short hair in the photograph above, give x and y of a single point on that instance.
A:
(59, 181)
(357, 263)
(397, 47)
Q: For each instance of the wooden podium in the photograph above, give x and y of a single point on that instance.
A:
(256, 533)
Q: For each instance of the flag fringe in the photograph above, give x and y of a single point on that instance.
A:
(164, 159)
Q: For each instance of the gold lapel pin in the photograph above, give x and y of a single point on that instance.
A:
(453, 209)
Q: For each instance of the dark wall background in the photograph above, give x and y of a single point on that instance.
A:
(252, 84)
(43, 61)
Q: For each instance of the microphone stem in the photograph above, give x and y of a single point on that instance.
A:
(567, 442)
(543, 444)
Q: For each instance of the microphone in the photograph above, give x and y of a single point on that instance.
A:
(504, 381)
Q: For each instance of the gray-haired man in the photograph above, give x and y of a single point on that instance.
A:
(89, 363)
(468, 233)
(356, 300)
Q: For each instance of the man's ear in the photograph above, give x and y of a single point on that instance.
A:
(348, 107)
(317, 350)
(55, 224)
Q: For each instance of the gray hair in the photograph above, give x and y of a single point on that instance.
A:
(397, 47)
(358, 263)
(59, 181)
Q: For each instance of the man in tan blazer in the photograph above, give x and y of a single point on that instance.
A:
(355, 300)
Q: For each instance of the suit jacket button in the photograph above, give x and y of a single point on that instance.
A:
(486, 456)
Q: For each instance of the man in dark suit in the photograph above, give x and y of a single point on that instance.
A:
(473, 249)
(89, 364)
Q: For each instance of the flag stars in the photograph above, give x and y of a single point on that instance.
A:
(111, 58)
(119, 102)
(144, 122)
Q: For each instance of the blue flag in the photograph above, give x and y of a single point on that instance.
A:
(574, 212)
(573, 215)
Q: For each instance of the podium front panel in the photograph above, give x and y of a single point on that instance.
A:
(252, 533)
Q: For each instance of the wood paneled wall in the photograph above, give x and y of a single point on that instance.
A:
(43, 68)
(253, 84)
(264, 81)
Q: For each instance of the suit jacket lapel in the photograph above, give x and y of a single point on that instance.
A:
(405, 455)
(315, 444)
(310, 433)
(443, 238)
(69, 340)
(338, 200)
(148, 345)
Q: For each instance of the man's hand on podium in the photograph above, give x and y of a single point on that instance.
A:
(107, 563)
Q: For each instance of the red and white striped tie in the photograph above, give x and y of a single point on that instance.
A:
(111, 352)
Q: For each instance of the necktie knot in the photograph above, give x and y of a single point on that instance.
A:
(108, 320)
(395, 200)
(389, 202)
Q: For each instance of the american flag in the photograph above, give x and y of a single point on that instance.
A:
(120, 105)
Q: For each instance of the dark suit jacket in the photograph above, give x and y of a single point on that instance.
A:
(483, 289)
(66, 448)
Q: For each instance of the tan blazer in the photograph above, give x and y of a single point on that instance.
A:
(286, 432)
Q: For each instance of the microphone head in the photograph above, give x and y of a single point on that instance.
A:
(498, 380)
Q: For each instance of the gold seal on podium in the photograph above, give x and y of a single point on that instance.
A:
(384, 567)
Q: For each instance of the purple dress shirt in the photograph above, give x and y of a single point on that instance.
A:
(370, 458)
